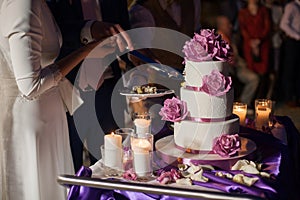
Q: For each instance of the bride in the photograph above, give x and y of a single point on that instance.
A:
(34, 140)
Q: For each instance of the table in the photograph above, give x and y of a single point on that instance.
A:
(82, 186)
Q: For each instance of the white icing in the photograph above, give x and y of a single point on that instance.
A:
(200, 135)
(202, 105)
(194, 71)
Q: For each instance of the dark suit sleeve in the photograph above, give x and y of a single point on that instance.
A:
(70, 21)
(124, 12)
(116, 12)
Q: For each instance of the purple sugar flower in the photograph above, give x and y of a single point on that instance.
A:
(227, 145)
(216, 84)
(174, 110)
(207, 46)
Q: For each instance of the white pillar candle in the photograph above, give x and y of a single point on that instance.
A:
(142, 158)
(113, 151)
(142, 126)
(240, 109)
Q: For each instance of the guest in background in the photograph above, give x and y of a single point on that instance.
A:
(239, 67)
(276, 11)
(255, 26)
(230, 9)
(77, 18)
(177, 15)
(34, 141)
(181, 18)
(290, 24)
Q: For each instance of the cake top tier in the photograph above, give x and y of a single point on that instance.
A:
(207, 45)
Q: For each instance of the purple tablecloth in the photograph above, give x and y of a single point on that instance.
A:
(280, 160)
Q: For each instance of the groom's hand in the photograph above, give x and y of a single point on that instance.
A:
(103, 30)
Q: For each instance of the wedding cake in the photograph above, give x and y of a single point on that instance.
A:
(203, 119)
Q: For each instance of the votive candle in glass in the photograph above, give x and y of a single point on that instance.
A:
(142, 123)
(240, 109)
(263, 108)
(142, 148)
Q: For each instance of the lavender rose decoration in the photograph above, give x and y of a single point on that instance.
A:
(174, 110)
(169, 176)
(207, 46)
(130, 175)
(227, 145)
(216, 84)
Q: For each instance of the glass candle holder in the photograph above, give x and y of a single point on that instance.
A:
(142, 122)
(142, 150)
(240, 109)
(263, 110)
(127, 159)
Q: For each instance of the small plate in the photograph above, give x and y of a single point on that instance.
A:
(159, 93)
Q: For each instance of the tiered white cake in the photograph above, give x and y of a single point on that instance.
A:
(203, 119)
(209, 116)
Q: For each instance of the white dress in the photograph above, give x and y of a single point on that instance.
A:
(34, 141)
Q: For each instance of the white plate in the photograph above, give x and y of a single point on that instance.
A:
(160, 92)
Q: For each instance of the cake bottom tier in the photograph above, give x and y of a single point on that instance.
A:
(200, 135)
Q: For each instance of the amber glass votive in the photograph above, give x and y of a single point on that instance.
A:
(240, 109)
(263, 110)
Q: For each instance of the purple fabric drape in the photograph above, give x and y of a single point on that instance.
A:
(275, 156)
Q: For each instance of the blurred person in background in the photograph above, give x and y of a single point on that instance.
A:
(238, 67)
(182, 19)
(255, 27)
(178, 15)
(276, 11)
(290, 25)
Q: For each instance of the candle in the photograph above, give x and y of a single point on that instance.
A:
(240, 109)
(142, 122)
(141, 145)
(262, 116)
(142, 154)
(263, 109)
(142, 125)
(142, 163)
(113, 151)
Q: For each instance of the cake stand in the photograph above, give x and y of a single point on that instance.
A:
(170, 154)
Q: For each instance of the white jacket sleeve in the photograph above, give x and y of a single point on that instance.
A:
(23, 28)
(288, 19)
